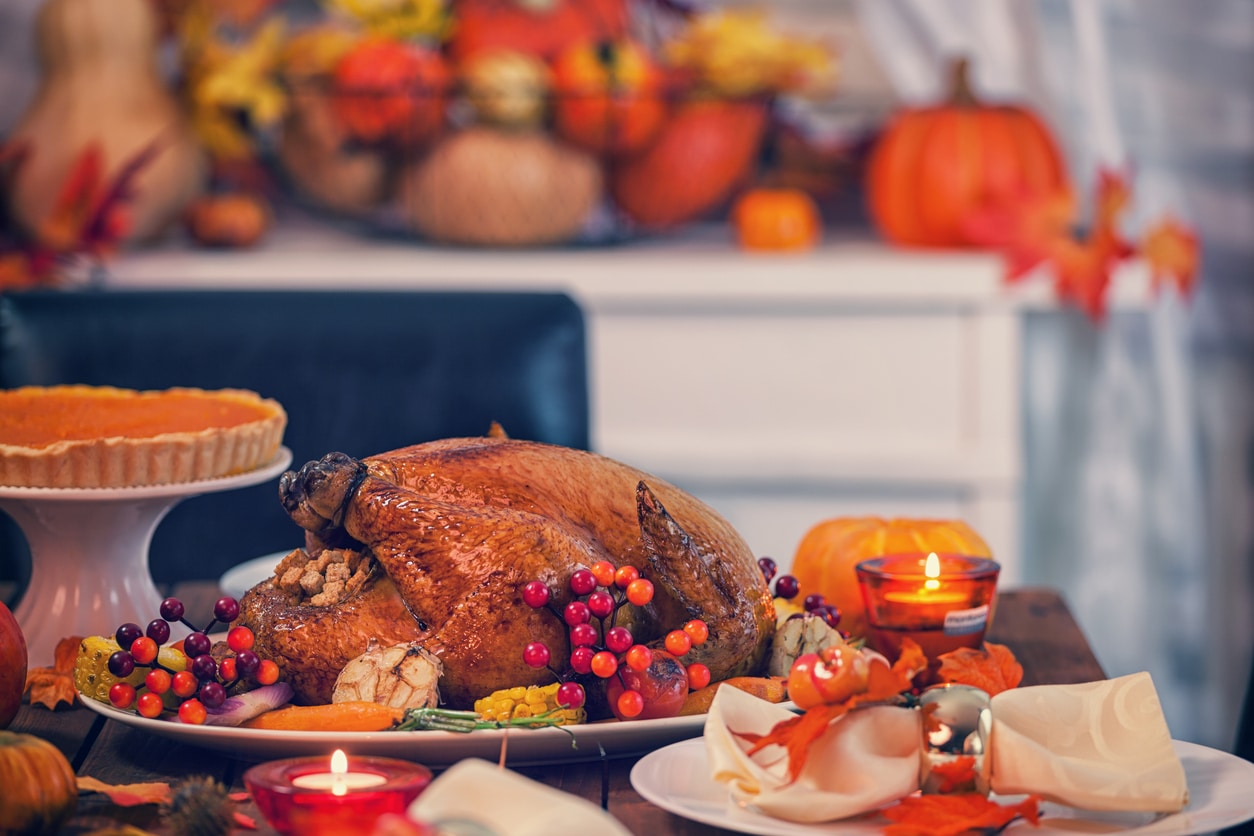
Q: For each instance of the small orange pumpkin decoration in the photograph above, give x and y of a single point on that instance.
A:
(776, 219)
(934, 166)
(826, 556)
(40, 788)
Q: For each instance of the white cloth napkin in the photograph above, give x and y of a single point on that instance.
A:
(508, 804)
(1097, 746)
(868, 758)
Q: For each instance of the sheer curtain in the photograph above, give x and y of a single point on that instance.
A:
(1140, 431)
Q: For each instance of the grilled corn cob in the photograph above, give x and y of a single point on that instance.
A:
(521, 702)
(91, 666)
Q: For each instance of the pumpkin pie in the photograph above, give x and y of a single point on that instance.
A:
(106, 437)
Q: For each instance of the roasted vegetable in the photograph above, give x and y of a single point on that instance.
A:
(400, 676)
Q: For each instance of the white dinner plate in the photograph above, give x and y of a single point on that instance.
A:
(677, 779)
(435, 749)
(240, 578)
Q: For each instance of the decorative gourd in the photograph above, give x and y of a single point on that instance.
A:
(537, 27)
(609, 96)
(13, 662)
(40, 789)
(488, 187)
(933, 167)
(99, 82)
(776, 219)
(704, 151)
(826, 556)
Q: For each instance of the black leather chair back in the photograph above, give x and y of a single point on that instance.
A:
(357, 372)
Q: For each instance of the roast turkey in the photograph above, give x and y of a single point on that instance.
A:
(457, 527)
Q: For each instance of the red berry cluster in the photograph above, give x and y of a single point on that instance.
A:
(786, 587)
(204, 683)
(601, 648)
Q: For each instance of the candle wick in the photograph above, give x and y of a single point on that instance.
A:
(338, 785)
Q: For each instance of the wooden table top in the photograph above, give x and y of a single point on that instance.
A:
(1035, 623)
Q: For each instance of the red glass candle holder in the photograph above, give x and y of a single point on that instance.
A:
(296, 795)
(941, 610)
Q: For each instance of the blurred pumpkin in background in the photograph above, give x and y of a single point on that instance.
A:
(826, 556)
(776, 219)
(933, 168)
(388, 91)
(610, 96)
(537, 27)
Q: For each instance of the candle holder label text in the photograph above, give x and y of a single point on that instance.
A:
(966, 622)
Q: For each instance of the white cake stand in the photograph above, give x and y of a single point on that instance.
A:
(89, 554)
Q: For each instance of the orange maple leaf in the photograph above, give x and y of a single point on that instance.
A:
(951, 815)
(51, 686)
(1026, 229)
(1172, 252)
(797, 733)
(992, 668)
(957, 774)
(127, 795)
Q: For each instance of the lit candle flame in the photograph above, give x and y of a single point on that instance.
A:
(339, 768)
(931, 570)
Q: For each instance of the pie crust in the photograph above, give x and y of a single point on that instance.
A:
(106, 437)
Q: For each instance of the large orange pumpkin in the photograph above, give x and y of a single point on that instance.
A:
(933, 167)
(826, 556)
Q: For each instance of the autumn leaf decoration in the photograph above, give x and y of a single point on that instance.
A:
(951, 815)
(88, 219)
(992, 668)
(51, 686)
(1039, 230)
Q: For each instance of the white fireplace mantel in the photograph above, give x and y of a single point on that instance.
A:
(781, 389)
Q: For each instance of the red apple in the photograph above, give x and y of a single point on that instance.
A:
(12, 666)
(664, 686)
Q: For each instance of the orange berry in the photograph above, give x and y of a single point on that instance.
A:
(226, 669)
(158, 681)
(640, 592)
(267, 673)
(638, 657)
(143, 650)
(698, 676)
(184, 684)
(149, 705)
(192, 712)
(630, 703)
(122, 695)
(604, 664)
(697, 631)
(625, 575)
(603, 571)
(678, 642)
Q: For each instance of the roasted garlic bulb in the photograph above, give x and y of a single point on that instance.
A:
(400, 676)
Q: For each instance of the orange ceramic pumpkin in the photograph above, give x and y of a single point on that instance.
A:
(933, 167)
(608, 96)
(776, 219)
(825, 559)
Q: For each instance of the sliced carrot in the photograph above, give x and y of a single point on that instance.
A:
(339, 716)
